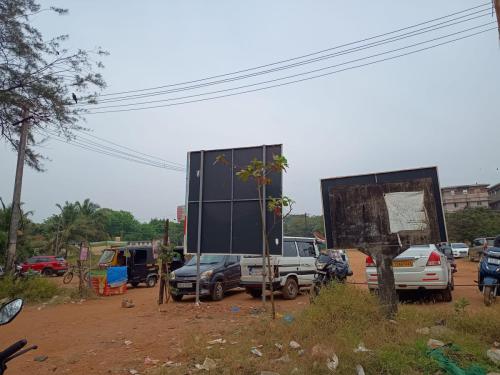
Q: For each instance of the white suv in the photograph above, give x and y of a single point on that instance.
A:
(293, 270)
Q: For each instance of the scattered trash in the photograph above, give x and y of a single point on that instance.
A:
(217, 341)
(496, 344)
(127, 303)
(150, 361)
(444, 357)
(360, 370)
(279, 346)
(440, 322)
(294, 345)
(439, 330)
(423, 331)
(433, 344)
(127, 342)
(284, 359)
(256, 352)
(287, 318)
(133, 372)
(494, 355)
(41, 358)
(362, 349)
(301, 352)
(332, 363)
(235, 309)
(392, 321)
(208, 364)
(172, 364)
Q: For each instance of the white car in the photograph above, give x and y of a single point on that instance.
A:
(420, 267)
(460, 250)
(292, 271)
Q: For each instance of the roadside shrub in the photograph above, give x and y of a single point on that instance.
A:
(31, 289)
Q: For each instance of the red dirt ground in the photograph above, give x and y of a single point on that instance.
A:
(89, 337)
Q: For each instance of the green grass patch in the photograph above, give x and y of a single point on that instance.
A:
(341, 318)
(31, 289)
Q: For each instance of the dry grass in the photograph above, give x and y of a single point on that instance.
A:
(341, 318)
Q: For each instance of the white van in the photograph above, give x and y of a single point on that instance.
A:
(292, 271)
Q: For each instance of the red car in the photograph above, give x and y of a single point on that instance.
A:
(47, 265)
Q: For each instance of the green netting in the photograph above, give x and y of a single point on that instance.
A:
(451, 367)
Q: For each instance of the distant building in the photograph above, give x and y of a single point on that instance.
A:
(181, 213)
(456, 198)
(494, 195)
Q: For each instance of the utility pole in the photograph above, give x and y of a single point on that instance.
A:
(497, 10)
(16, 199)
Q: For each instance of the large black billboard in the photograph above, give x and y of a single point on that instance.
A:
(383, 209)
(222, 211)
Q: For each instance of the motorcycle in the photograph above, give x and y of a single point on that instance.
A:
(8, 313)
(329, 268)
(489, 273)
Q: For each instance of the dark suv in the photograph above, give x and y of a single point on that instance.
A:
(218, 273)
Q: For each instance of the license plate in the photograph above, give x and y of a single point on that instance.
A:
(255, 271)
(494, 261)
(403, 263)
(184, 285)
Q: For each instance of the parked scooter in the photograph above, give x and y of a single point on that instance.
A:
(329, 268)
(489, 273)
(8, 312)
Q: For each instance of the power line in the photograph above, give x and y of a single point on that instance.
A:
(487, 4)
(103, 150)
(296, 75)
(393, 39)
(128, 148)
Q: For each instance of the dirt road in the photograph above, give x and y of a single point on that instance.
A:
(99, 337)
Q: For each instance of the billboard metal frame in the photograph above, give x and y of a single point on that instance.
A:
(201, 201)
(380, 178)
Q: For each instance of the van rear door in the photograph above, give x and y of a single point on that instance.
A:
(307, 254)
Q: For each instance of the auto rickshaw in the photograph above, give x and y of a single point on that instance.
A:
(140, 262)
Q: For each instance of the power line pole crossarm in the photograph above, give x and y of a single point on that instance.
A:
(16, 199)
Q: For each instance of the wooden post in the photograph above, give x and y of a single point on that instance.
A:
(16, 199)
(164, 293)
(386, 284)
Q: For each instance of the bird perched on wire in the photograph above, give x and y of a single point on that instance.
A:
(74, 97)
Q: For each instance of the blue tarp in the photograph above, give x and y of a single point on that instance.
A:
(116, 276)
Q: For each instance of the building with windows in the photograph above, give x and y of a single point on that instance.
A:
(494, 195)
(456, 198)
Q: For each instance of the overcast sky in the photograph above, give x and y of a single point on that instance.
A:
(439, 107)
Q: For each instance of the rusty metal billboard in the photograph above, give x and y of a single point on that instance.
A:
(380, 209)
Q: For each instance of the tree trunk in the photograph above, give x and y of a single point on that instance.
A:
(16, 199)
(386, 285)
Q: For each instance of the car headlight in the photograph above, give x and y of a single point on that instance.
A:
(206, 274)
(172, 275)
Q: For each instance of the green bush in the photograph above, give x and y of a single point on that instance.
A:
(31, 289)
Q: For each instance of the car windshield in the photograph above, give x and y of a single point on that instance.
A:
(207, 259)
(107, 256)
(459, 245)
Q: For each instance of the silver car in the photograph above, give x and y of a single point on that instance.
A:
(420, 267)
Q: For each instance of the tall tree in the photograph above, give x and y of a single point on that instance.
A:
(41, 82)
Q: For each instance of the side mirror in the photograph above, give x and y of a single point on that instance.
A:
(10, 310)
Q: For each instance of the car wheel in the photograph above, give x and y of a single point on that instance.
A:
(177, 297)
(488, 295)
(290, 289)
(218, 291)
(68, 277)
(255, 293)
(47, 272)
(446, 294)
(151, 281)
